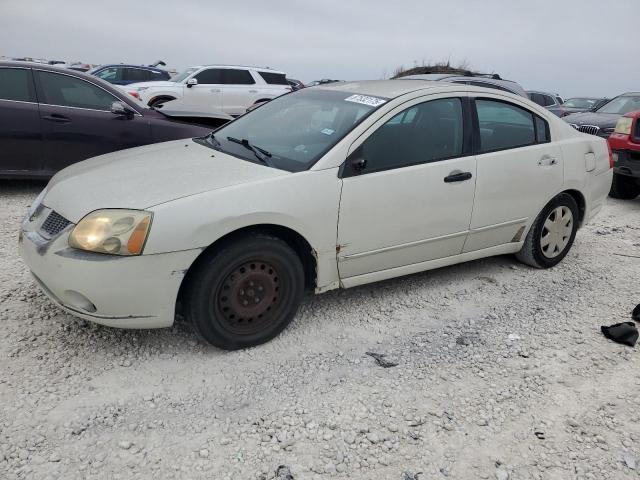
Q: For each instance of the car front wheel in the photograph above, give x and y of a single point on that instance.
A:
(551, 236)
(246, 292)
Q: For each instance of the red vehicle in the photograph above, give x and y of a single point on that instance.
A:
(625, 145)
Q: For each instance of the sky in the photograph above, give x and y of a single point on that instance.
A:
(570, 47)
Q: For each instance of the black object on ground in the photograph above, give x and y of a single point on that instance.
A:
(636, 313)
(379, 358)
(625, 333)
(283, 473)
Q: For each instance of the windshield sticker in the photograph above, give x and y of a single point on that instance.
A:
(366, 100)
(327, 131)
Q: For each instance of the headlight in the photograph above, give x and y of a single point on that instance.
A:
(113, 231)
(624, 125)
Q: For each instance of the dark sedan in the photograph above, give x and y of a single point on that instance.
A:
(52, 117)
(581, 104)
(602, 122)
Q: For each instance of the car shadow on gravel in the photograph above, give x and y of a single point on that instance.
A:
(182, 340)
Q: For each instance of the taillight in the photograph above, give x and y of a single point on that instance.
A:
(610, 155)
(134, 95)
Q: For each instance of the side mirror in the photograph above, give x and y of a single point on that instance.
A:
(191, 82)
(121, 108)
(356, 162)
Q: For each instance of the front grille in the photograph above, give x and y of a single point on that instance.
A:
(54, 224)
(590, 129)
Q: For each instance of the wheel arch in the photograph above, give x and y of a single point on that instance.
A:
(295, 240)
(582, 204)
(161, 96)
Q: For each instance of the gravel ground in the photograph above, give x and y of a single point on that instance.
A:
(502, 373)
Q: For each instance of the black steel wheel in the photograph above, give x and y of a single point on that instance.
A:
(246, 292)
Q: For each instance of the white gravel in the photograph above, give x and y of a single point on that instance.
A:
(502, 374)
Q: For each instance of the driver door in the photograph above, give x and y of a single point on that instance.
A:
(408, 190)
(206, 96)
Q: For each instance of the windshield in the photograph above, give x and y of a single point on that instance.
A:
(181, 76)
(621, 105)
(580, 102)
(295, 130)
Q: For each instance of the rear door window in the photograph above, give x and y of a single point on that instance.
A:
(17, 84)
(68, 91)
(236, 77)
(504, 125)
(137, 75)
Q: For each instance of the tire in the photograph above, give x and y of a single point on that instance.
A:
(154, 102)
(558, 223)
(256, 268)
(624, 188)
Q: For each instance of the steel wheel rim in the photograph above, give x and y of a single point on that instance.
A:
(556, 231)
(248, 297)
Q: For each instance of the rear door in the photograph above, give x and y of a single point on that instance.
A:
(519, 171)
(20, 132)
(77, 122)
(240, 90)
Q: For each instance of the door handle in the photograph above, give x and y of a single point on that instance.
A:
(215, 90)
(457, 176)
(253, 91)
(55, 117)
(547, 160)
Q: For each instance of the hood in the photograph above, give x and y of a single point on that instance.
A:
(141, 177)
(602, 120)
(159, 84)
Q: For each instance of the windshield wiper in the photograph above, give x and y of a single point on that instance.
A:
(214, 141)
(260, 153)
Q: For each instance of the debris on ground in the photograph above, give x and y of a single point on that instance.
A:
(283, 473)
(380, 360)
(625, 333)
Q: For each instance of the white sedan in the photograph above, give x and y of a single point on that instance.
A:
(332, 186)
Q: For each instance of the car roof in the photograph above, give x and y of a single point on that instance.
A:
(386, 88)
(248, 67)
(116, 92)
(127, 65)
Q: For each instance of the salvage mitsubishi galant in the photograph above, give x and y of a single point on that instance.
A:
(333, 186)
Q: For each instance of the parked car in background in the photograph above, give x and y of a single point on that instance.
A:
(625, 145)
(127, 74)
(486, 81)
(335, 186)
(51, 117)
(581, 104)
(227, 88)
(602, 121)
(551, 101)
(295, 84)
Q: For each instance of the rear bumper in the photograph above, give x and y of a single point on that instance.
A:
(123, 292)
(597, 191)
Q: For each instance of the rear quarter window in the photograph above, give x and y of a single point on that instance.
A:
(16, 84)
(274, 78)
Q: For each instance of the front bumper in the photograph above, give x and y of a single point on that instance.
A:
(124, 292)
(626, 162)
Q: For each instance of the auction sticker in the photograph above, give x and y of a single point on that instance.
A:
(366, 100)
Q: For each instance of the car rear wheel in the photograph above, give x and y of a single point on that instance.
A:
(624, 188)
(551, 236)
(246, 292)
